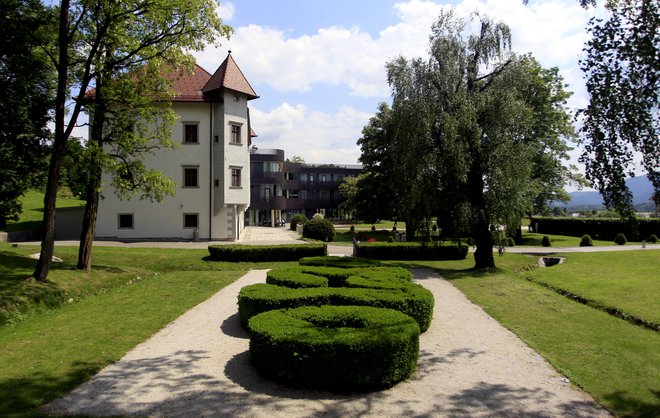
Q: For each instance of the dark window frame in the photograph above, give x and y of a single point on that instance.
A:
(125, 215)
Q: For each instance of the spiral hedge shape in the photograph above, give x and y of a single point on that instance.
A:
(345, 348)
(344, 329)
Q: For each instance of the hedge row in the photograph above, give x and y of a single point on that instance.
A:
(344, 348)
(334, 261)
(597, 228)
(370, 277)
(412, 251)
(294, 252)
(413, 300)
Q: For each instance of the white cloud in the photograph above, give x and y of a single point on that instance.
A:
(318, 137)
(225, 11)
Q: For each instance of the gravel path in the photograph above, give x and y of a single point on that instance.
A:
(198, 365)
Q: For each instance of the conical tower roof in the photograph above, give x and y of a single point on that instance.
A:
(229, 76)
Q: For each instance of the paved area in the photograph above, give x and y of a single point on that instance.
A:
(469, 366)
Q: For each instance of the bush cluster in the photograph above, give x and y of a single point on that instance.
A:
(597, 228)
(296, 219)
(320, 229)
(255, 253)
(342, 348)
(386, 292)
(412, 251)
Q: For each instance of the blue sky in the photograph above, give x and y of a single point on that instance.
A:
(319, 66)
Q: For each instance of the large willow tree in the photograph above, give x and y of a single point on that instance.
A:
(477, 132)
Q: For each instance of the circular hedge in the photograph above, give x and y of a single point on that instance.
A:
(320, 229)
(343, 348)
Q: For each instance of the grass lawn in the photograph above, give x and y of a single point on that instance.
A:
(627, 281)
(130, 294)
(617, 362)
(387, 225)
(33, 211)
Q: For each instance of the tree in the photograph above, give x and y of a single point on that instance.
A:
(99, 40)
(297, 159)
(477, 124)
(621, 121)
(26, 84)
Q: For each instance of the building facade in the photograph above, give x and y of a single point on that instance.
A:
(280, 188)
(211, 166)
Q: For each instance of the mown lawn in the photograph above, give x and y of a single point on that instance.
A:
(130, 295)
(33, 211)
(615, 361)
(627, 281)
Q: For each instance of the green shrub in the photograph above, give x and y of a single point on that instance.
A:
(411, 251)
(390, 239)
(294, 279)
(373, 228)
(296, 219)
(412, 299)
(546, 242)
(510, 242)
(653, 238)
(341, 348)
(597, 228)
(352, 228)
(620, 239)
(318, 215)
(255, 253)
(379, 277)
(320, 229)
(334, 261)
(586, 241)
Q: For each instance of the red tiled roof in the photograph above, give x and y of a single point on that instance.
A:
(188, 87)
(229, 76)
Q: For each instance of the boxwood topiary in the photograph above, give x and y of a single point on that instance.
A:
(342, 348)
(320, 229)
(586, 241)
(412, 300)
(546, 242)
(289, 252)
(620, 239)
(294, 279)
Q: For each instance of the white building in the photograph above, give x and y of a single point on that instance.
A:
(211, 166)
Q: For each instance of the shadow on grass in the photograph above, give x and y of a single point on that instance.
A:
(628, 406)
(23, 226)
(28, 393)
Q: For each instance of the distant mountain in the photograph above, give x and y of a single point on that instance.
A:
(641, 188)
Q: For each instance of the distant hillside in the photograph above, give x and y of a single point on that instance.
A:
(641, 188)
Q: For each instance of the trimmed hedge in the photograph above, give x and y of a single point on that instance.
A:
(296, 219)
(335, 261)
(413, 300)
(371, 277)
(320, 229)
(341, 348)
(411, 251)
(293, 252)
(597, 228)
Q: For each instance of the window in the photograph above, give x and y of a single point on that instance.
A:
(235, 177)
(216, 183)
(125, 220)
(190, 220)
(235, 134)
(190, 133)
(190, 177)
(324, 178)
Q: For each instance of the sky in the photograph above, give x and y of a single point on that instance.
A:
(319, 67)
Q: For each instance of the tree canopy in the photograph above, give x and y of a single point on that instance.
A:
(475, 134)
(620, 124)
(26, 87)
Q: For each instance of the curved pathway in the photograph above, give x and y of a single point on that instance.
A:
(198, 365)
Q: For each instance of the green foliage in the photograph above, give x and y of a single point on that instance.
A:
(373, 228)
(408, 298)
(597, 228)
(340, 348)
(653, 238)
(620, 239)
(298, 219)
(546, 241)
(320, 229)
(412, 251)
(258, 253)
(26, 88)
(295, 279)
(586, 241)
(621, 121)
(334, 261)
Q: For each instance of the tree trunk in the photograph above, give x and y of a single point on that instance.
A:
(483, 255)
(411, 229)
(59, 145)
(94, 181)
